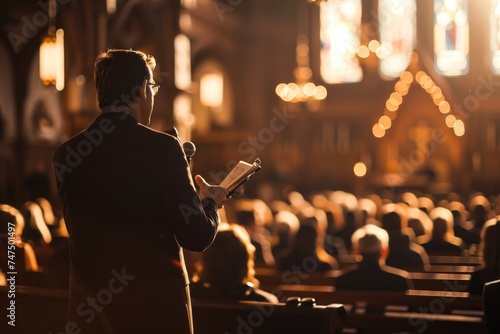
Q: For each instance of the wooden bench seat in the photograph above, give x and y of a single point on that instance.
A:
(416, 311)
(41, 310)
(212, 317)
(270, 278)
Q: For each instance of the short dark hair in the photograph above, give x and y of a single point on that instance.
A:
(119, 73)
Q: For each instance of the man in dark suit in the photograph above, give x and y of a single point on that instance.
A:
(371, 274)
(491, 306)
(130, 204)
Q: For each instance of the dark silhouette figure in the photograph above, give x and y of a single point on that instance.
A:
(304, 250)
(443, 240)
(371, 274)
(489, 251)
(461, 227)
(252, 215)
(403, 252)
(226, 271)
(491, 306)
(130, 204)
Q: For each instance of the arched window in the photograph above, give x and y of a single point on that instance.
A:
(495, 36)
(451, 37)
(213, 102)
(340, 34)
(397, 20)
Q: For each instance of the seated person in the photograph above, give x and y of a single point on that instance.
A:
(443, 240)
(403, 252)
(285, 228)
(255, 215)
(28, 271)
(226, 271)
(461, 227)
(304, 248)
(491, 306)
(371, 274)
(490, 254)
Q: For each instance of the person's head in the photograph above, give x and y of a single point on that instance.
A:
(124, 81)
(442, 219)
(12, 215)
(393, 219)
(306, 240)
(479, 207)
(286, 226)
(371, 242)
(229, 261)
(457, 210)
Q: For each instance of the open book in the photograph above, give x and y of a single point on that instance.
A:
(239, 174)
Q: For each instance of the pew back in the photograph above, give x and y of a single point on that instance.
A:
(41, 310)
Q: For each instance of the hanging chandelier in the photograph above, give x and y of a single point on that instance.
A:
(303, 89)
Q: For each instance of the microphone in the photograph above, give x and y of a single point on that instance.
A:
(189, 150)
(188, 147)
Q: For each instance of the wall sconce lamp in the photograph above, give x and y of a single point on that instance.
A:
(52, 53)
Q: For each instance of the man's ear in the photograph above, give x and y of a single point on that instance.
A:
(143, 90)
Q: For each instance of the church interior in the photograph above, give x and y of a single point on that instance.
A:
(350, 98)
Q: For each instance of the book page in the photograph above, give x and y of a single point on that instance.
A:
(237, 174)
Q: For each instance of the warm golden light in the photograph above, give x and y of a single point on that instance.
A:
(211, 90)
(390, 106)
(52, 60)
(419, 75)
(182, 59)
(401, 88)
(374, 45)
(459, 128)
(111, 6)
(385, 122)
(377, 131)
(450, 121)
(444, 107)
(359, 169)
(396, 98)
(321, 93)
(363, 51)
(406, 77)
(281, 89)
(293, 92)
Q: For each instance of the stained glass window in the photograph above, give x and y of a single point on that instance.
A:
(451, 37)
(397, 21)
(495, 36)
(340, 34)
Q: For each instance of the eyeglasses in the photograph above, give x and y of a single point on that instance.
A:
(154, 87)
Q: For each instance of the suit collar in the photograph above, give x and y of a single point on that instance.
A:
(118, 117)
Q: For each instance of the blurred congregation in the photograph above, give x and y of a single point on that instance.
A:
(377, 124)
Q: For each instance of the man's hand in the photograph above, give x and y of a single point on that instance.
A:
(217, 193)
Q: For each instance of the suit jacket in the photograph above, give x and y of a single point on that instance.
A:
(491, 306)
(370, 276)
(129, 204)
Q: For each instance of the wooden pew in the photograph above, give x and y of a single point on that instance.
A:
(454, 260)
(41, 310)
(211, 317)
(415, 311)
(270, 278)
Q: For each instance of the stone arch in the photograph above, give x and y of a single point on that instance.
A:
(208, 119)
